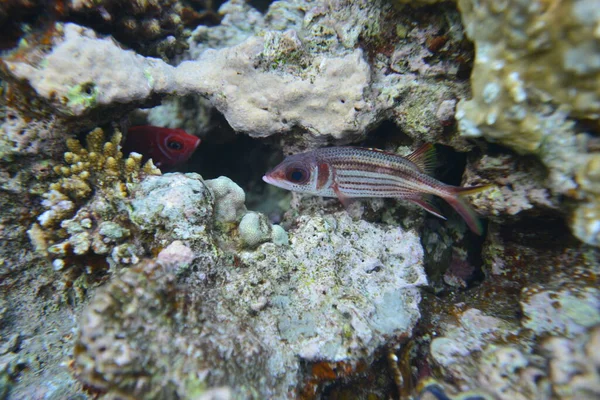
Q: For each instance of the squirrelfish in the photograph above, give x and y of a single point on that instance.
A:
(165, 146)
(350, 172)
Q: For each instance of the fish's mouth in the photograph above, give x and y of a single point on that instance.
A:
(273, 181)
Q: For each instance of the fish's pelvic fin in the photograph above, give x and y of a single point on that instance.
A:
(425, 201)
(424, 157)
(345, 200)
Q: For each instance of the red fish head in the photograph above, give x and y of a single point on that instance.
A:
(176, 147)
(165, 146)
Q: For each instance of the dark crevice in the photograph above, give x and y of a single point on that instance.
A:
(239, 157)
(467, 271)
(387, 136)
(260, 5)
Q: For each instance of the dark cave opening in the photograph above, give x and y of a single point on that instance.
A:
(243, 159)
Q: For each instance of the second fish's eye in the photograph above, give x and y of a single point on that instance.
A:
(174, 145)
(297, 175)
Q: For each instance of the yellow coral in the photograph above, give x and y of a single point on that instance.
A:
(99, 166)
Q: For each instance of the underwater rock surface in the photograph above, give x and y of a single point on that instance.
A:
(294, 76)
(537, 65)
(121, 282)
(245, 321)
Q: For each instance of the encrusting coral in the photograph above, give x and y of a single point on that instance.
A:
(243, 318)
(285, 77)
(536, 69)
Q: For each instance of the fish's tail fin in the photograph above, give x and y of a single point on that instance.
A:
(461, 205)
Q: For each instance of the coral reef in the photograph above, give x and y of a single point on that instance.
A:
(329, 92)
(83, 228)
(529, 55)
(519, 186)
(153, 28)
(467, 353)
(141, 303)
(574, 365)
(22, 138)
(579, 309)
(100, 165)
(229, 198)
(297, 36)
(120, 282)
(276, 299)
(565, 368)
(173, 207)
(491, 339)
(104, 73)
(536, 65)
(254, 229)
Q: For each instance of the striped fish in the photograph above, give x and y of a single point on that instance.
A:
(351, 172)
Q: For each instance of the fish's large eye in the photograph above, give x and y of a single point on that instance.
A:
(297, 175)
(174, 145)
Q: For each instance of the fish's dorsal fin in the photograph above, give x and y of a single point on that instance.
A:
(424, 158)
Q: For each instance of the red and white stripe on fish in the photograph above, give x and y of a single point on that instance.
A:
(351, 172)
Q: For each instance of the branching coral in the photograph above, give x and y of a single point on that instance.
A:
(83, 225)
(100, 165)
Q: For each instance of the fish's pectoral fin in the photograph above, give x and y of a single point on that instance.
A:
(425, 201)
(424, 157)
